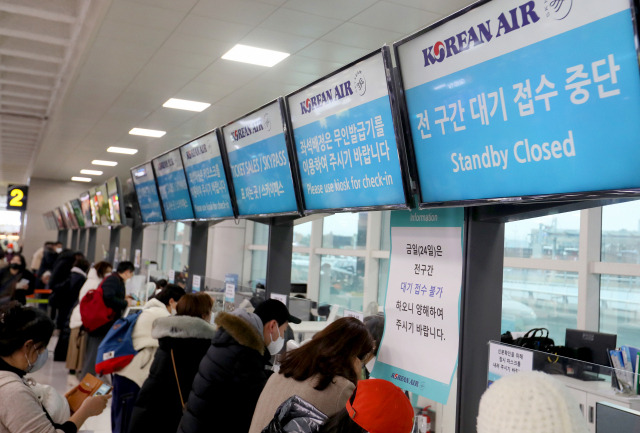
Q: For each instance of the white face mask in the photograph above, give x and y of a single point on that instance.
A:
(40, 362)
(173, 311)
(58, 250)
(276, 346)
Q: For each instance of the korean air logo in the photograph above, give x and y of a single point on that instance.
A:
(412, 382)
(557, 9)
(360, 83)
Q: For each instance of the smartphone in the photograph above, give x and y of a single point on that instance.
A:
(103, 390)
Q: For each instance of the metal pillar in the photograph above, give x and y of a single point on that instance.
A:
(198, 252)
(82, 242)
(91, 244)
(63, 237)
(74, 240)
(114, 242)
(279, 258)
(480, 315)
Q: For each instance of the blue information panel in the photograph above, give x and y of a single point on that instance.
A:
(147, 192)
(345, 140)
(172, 185)
(259, 161)
(524, 99)
(206, 177)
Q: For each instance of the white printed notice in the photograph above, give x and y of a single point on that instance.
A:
(419, 349)
(505, 360)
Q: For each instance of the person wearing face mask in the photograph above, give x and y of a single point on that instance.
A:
(128, 381)
(24, 335)
(49, 256)
(16, 282)
(115, 297)
(183, 340)
(235, 369)
(323, 372)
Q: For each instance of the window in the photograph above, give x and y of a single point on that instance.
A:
(300, 268)
(345, 231)
(620, 308)
(173, 246)
(621, 233)
(258, 267)
(555, 237)
(383, 279)
(342, 281)
(302, 235)
(260, 234)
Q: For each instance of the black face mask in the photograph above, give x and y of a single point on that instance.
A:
(15, 266)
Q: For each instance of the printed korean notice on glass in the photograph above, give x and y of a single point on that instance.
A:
(525, 98)
(259, 162)
(419, 349)
(505, 360)
(173, 186)
(345, 141)
(206, 177)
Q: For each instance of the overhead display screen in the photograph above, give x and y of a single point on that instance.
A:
(172, 185)
(259, 159)
(85, 208)
(77, 212)
(101, 205)
(69, 217)
(345, 140)
(60, 223)
(114, 195)
(145, 184)
(527, 99)
(206, 177)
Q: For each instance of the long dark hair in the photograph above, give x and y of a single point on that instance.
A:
(330, 353)
(18, 324)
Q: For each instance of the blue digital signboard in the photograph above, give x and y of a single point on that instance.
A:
(145, 184)
(206, 177)
(529, 99)
(345, 139)
(172, 185)
(256, 146)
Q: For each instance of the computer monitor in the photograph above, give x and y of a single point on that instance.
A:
(593, 346)
(614, 419)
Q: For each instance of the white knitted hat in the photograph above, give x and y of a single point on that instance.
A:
(529, 402)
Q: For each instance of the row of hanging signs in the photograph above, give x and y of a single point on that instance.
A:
(502, 102)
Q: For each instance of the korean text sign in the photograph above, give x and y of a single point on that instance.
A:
(505, 360)
(259, 161)
(524, 98)
(173, 186)
(206, 177)
(419, 348)
(345, 141)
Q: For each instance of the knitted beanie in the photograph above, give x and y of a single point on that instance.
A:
(529, 402)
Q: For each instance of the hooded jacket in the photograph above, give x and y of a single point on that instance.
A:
(92, 282)
(140, 366)
(158, 407)
(230, 378)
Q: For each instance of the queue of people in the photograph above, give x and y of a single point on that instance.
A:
(193, 374)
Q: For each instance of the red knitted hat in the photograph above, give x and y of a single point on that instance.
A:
(378, 406)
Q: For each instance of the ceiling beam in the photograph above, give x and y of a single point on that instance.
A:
(28, 71)
(36, 13)
(8, 93)
(10, 103)
(37, 37)
(25, 84)
(27, 55)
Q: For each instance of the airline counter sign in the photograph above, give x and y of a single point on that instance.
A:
(524, 98)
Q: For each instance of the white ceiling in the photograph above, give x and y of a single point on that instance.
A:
(77, 75)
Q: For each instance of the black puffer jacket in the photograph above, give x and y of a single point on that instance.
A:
(158, 407)
(229, 381)
(296, 415)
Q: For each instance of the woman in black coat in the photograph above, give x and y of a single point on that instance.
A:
(183, 338)
(16, 282)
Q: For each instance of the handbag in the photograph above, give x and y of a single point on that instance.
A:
(536, 339)
(173, 361)
(86, 388)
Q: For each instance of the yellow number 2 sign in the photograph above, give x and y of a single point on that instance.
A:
(17, 197)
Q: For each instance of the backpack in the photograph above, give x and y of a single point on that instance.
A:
(116, 349)
(93, 311)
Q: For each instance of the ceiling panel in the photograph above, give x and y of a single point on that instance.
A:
(396, 18)
(245, 12)
(144, 15)
(299, 23)
(273, 40)
(337, 9)
(360, 36)
(332, 52)
(214, 29)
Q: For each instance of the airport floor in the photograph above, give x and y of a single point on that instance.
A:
(55, 374)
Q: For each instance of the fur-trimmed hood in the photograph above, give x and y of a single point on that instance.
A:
(182, 327)
(241, 330)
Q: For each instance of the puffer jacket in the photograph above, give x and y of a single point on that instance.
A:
(230, 378)
(158, 407)
(140, 366)
(296, 415)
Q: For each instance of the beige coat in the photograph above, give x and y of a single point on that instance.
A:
(279, 388)
(20, 410)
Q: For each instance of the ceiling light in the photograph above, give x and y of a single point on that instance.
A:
(125, 150)
(255, 56)
(147, 132)
(183, 104)
(81, 179)
(107, 163)
(93, 172)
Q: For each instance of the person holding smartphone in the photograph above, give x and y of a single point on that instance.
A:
(16, 282)
(24, 335)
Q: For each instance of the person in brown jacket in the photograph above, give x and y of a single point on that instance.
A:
(323, 372)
